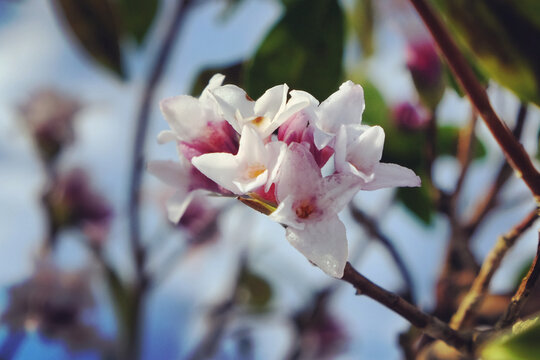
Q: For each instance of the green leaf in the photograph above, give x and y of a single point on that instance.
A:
(304, 49)
(253, 290)
(418, 200)
(137, 16)
(522, 343)
(363, 20)
(93, 24)
(233, 75)
(503, 37)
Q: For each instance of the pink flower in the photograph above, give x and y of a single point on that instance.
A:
(308, 206)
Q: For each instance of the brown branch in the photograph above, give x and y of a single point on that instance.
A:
(374, 231)
(137, 248)
(521, 296)
(466, 311)
(489, 201)
(428, 324)
(466, 146)
(512, 149)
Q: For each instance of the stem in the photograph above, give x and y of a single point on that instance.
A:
(489, 200)
(424, 322)
(375, 232)
(137, 248)
(466, 144)
(466, 311)
(512, 149)
(521, 296)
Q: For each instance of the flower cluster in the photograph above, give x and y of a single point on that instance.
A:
(271, 152)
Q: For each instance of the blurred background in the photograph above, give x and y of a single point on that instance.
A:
(90, 267)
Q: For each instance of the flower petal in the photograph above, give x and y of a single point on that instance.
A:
(186, 116)
(343, 107)
(172, 173)
(177, 205)
(324, 243)
(392, 175)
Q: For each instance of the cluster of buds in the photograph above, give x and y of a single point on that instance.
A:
(269, 153)
(53, 302)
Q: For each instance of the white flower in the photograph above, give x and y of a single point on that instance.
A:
(344, 107)
(254, 165)
(266, 114)
(187, 116)
(308, 206)
(358, 151)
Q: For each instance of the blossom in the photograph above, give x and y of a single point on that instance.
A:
(266, 114)
(251, 168)
(359, 151)
(344, 107)
(308, 206)
(230, 147)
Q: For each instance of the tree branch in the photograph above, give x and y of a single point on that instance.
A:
(512, 149)
(521, 296)
(424, 322)
(374, 231)
(137, 248)
(466, 311)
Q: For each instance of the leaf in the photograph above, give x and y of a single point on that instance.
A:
(253, 290)
(137, 16)
(504, 38)
(304, 50)
(233, 75)
(522, 343)
(363, 19)
(418, 200)
(93, 24)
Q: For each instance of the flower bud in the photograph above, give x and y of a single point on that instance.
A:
(49, 115)
(427, 73)
(409, 117)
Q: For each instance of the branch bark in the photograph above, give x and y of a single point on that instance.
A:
(521, 296)
(466, 311)
(424, 322)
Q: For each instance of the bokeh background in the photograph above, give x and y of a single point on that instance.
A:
(227, 275)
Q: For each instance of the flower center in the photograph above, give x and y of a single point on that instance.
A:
(305, 209)
(255, 170)
(258, 120)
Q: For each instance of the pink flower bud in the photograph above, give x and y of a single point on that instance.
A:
(426, 69)
(49, 115)
(409, 117)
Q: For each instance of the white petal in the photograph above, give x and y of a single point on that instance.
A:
(284, 214)
(222, 168)
(170, 172)
(337, 191)
(392, 175)
(214, 83)
(276, 151)
(324, 243)
(166, 136)
(299, 174)
(366, 151)
(177, 205)
(233, 100)
(272, 101)
(343, 107)
(186, 116)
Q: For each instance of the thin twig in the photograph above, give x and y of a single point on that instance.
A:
(488, 202)
(521, 296)
(512, 149)
(374, 231)
(465, 154)
(466, 311)
(138, 250)
(428, 324)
